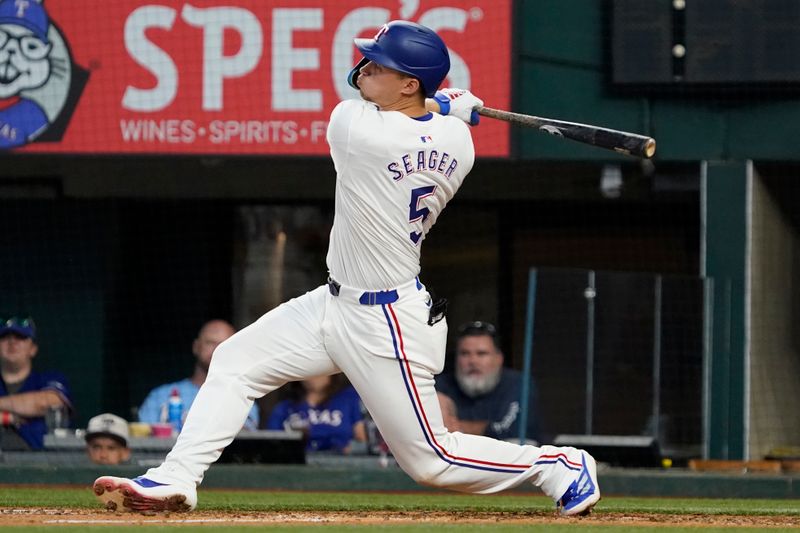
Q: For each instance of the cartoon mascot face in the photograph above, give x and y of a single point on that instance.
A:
(24, 48)
(36, 75)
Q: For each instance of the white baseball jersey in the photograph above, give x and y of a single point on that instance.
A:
(395, 175)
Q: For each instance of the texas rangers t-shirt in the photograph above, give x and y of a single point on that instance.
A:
(33, 430)
(395, 174)
(329, 426)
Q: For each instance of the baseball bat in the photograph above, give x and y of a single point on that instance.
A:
(619, 141)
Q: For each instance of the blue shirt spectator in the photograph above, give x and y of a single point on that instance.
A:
(481, 396)
(26, 396)
(154, 407)
(328, 412)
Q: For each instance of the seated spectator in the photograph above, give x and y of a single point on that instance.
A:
(26, 396)
(327, 409)
(482, 397)
(107, 440)
(154, 407)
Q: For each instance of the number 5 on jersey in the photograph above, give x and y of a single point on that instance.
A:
(417, 213)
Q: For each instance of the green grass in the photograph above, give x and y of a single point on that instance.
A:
(355, 501)
(511, 504)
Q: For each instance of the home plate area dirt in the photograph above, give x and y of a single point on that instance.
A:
(48, 516)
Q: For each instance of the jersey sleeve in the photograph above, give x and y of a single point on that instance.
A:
(339, 124)
(57, 382)
(506, 425)
(467, 159)
(506, 418)
(341, 127)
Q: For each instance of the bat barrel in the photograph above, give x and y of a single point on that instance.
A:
(623, 142)
(619, 141)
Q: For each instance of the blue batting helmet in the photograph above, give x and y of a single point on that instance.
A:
(409, 48)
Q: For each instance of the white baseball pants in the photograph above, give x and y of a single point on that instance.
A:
(390, 355)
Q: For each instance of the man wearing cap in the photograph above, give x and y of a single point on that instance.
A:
(26, 396)
(107, 439)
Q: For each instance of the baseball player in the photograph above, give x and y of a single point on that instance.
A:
(397, 164)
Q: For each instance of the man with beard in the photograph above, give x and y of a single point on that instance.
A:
(154, 407)
(482, 397)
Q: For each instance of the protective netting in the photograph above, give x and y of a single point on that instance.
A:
(166, 165)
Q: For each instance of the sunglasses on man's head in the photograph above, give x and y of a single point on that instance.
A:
(26, 322)
(478, 327)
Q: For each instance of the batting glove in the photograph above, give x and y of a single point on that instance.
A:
(459, 103)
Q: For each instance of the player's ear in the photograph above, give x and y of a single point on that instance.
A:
(411, 86)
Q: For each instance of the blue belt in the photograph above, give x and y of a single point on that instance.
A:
(366, 298)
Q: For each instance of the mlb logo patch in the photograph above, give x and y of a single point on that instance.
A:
(426, 139)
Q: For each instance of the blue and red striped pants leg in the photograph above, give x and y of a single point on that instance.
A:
(390, 354)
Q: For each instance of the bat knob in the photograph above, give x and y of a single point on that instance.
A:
(650, 148)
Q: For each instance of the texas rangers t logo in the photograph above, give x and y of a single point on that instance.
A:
(382, 31)
(21, 4)
(36, 75)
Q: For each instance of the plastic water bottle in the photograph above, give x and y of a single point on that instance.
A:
(175, 411)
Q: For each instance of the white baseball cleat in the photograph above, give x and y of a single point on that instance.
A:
(143, 495)
(584, 492)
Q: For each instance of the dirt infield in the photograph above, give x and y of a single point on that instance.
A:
(46, 516)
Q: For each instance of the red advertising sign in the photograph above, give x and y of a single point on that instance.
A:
(202, 76)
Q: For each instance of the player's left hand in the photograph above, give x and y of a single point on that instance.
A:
(460, 103)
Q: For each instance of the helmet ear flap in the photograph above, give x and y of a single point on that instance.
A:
(352, 78)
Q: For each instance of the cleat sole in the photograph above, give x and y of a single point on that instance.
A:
(124, 497)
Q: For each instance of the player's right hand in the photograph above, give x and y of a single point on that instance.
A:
(459, 103)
